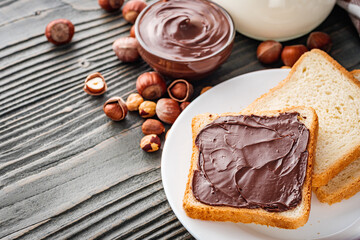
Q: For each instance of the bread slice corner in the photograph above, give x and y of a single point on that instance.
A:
(290, 219)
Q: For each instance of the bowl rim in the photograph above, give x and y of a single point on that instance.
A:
(228, 43)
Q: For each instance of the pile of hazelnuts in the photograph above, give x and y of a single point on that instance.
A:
(270, 51)
(150, 86)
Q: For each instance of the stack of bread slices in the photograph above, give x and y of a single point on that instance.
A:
(316, 82)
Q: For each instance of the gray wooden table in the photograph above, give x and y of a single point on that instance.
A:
(66, 170)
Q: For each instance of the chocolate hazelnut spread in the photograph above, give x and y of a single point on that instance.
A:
(252, 162)
(185, 29)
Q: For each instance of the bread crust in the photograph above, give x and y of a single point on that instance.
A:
(198, 210)
(321, 179)
(344, 193)
(355, 73)
(348, 189)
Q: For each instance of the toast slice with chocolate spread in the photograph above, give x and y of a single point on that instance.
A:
(252, 167)
(318, 81)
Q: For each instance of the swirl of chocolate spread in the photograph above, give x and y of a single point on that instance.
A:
(184, 29)
(252, 162)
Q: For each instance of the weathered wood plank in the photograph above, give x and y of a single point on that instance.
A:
(66, 171)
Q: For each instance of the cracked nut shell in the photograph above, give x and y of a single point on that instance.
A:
(167, 110)
(147, 109)
(115, 108)
(150, 143)
(95, 84)
(180, 90)
(151, 85)
(152, 126)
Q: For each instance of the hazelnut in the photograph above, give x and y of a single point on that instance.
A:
(111, 5)
(205, 89)
(291, 54)
(183, 105)
(151, 85)
(147, 109)
(133, 101)
(180, 90)
(115, 108)
(167, 110)
(126, 49)
(285, 67)
(269, 51)
(319, 40)
(152, 126)
(150, 143)
(95, 84)
(132, 31)
(132, 9)
(59, 31)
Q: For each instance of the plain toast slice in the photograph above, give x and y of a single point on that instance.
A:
(347, 183)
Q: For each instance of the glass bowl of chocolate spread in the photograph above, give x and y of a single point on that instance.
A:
(184, 38)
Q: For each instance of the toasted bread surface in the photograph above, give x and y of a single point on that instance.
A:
(290, 219)
(318, 81)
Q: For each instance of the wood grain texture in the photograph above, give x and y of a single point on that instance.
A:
(66, 170)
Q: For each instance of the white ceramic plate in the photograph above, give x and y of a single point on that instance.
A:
(339, 221)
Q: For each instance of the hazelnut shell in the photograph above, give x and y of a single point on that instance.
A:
(125, 49)
(167, 110)
(183, 105)
(319, 40)
(132, 9)
(291, 54)
(151, 85)
(152, 126)
(118, 116)
(59, 31)
(189, 90)
(269, 51)
(91, 76)
(110, 5)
